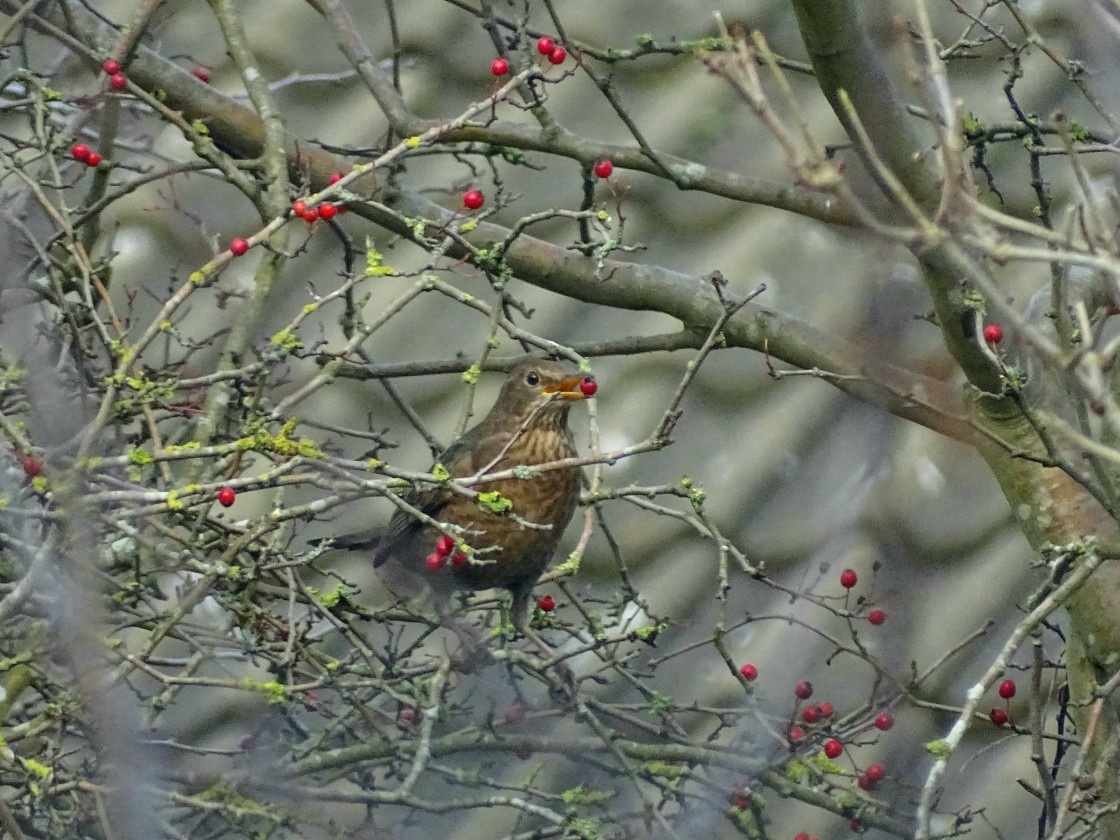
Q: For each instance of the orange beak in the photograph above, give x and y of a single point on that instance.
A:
(573, 387)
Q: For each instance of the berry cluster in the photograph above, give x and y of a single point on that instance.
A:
(84, 154)
(112, 68)
(438, 558)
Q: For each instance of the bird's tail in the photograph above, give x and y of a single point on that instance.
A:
(367, 540)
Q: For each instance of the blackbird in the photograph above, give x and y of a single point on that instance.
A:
(512, 543)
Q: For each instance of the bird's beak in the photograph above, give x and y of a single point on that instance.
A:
(573, 387)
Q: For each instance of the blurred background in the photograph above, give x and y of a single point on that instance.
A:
(803, 479)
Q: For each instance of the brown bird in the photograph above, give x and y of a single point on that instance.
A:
(512, 542)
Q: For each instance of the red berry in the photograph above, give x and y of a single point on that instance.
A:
(327, 211)
(796, 733)
(226, 496)
(848, 578)
(202, 74)
(545, 45)
(557, 55)
(803, 690)
(444, 545)
(407, 716)
(311, 215)
(998, 716)
(80, 151)
(826, 710)
(604, 168)
(514, 714)
(741, 802)
(299, 208)
(749, 672)
(588, 386)
(499, 66)
(855, 825)
(93, 159)
(31, 466)
(865, 782)
(993, 334)
(118, 82)
(459, 559)
(434, 562)
(1007, 689)
(876, 772)
(811, 714)
(546, 603)
(111, 66)
(833, 748)
(801, 835)
(238, 246)
(473, 199)
(884, 721)
(335, 178)
(876, 616)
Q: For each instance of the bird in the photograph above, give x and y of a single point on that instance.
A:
(510, 543)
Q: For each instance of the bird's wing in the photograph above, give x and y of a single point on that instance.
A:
(459, 459)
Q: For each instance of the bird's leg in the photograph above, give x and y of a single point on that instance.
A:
(473, 653)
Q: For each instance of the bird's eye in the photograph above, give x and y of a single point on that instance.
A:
(533, 378)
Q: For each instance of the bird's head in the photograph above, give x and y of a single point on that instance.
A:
(545, 386)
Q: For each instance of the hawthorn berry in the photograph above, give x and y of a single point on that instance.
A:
(459, 559)
(749, 672)
(514, 714)
(803, 690)
(31, 466)
(557, 55)
(310, 215)
(499, 66)
(226, 496)
(993, 334)
(826, 710)
(876, 616)
(299, 208)
(473, 199)
(588, 386)
(876, 772)
(202, 74)
(833, 748)
(998, 716)
(335, 178)
(546, 603)
(796, 733)
(1007, 689)
(884, 721)
(811, 714)
(327, 211)
(801, 835)
(545, 45)
(865, 782)
(80, 151)
(741, 801)
(434, 562)
(238, 246)
(111, 66)
(444, 545)
(604, 168)
(93, 160)
(407, 716)
(118, 81)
